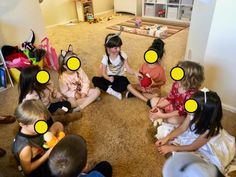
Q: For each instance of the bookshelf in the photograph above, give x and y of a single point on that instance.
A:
(83, 8)
(177, 10)
(5, 77)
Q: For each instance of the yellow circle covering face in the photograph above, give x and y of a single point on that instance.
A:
(43, 77)
(151, 56)
(191, 105)
(177, 73)
(73, 63)
(41, 127)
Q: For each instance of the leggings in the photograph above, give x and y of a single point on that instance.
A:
(54, 106)
(120, 83)
(104, 168)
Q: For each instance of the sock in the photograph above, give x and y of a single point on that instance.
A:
(114, 93)
(149, 103)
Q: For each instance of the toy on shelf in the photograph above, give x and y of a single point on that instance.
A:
(161, 13)
(138, 22)
(90, 17)
(51, 140)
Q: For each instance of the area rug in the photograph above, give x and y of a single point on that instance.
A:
(151, 27)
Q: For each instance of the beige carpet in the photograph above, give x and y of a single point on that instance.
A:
(115, 130)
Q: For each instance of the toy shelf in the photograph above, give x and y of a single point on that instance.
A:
(177, 10)
(84, 9)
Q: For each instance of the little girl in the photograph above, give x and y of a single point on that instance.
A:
(171, 109)
(202, 131)
(30, 88)
(74, 85)
(28, 145)
(154, 71)
(113, 80)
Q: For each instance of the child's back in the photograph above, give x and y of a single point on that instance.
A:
(69, 159)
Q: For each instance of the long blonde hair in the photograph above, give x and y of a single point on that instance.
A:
(194, 74)
(31, 110)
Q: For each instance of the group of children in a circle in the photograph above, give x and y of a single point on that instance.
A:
(195, 130)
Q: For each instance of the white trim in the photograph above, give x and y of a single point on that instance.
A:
(63, 23)
(104, 12)
(229, 108)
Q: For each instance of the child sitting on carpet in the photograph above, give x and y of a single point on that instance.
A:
(154, 71)
(171, 109)
(69, 159)
(114, 61)
(202, 131)
(30, 89)
(28, 144)
(74, 84)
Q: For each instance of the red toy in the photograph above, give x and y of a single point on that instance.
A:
(146, 81)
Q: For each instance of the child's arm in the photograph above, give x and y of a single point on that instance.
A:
(64, 88)
(159, 114)
(104, 73)
(85, 83)
(199, 142)
(131, 71)
(26, 157)
(176, 132)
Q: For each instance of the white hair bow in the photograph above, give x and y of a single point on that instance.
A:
(205, 90)
(114, 35)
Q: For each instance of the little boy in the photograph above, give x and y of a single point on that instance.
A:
(28, 144)
(69, 159)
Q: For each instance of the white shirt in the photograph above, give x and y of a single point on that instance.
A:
(117, 66)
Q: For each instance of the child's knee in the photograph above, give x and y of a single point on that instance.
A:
(97, 92)
(56, 128)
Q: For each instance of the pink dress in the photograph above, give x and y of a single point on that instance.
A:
(71, 83)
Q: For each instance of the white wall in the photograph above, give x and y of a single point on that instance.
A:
(199, 29)
(217, 48)
(101, 6)
(17, 17)
(220, 56)
(58, 11)
(63, 11)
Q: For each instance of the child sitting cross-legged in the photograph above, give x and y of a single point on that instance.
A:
(28, 144)
(202, 132)
(69, 159)
(75, 84)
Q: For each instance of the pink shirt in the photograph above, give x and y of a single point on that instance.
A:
(49, 95)
(71, 83)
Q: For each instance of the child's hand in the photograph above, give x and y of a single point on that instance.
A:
(77, 95)
(161, 142)
(152, 116)
(138, 75)
(166, 149)
(155, 113)
(111, 79)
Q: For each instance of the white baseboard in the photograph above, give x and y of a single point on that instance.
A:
(63, 23)
(105, 12)
(229, 108)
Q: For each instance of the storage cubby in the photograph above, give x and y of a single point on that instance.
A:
(179, 10)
